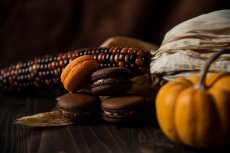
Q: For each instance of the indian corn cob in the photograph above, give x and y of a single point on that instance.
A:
(44, 72)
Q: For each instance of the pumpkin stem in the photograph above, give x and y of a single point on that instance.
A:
(201, 82)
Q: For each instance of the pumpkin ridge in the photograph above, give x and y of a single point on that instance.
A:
(222, 105)
(162, 100)
(200, 122)
(182, 120)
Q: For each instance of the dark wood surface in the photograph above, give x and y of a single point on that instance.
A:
(91, 138)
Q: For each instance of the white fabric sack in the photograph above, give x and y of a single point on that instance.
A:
(187, 46)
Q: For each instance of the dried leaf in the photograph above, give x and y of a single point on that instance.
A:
(46, 119)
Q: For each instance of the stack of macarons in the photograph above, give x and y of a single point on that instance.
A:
(113, 82)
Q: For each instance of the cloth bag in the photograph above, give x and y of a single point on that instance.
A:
(187, 46)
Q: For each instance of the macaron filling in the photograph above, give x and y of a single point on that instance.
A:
(109, 80)
(73, 113)
(118, 114)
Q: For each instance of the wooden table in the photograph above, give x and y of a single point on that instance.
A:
(92, 138)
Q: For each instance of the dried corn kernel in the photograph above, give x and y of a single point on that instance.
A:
(45, 71)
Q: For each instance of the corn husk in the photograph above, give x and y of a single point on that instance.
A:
(187, 46)
(122, 41)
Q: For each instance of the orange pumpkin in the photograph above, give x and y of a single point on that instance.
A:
(196, 111)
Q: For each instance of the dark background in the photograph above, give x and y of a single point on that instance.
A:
(37, 27)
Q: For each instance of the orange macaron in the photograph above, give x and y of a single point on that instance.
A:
(77, 73)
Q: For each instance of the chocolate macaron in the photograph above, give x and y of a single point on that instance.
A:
(79, 107)
(123, 108)
(111, 81)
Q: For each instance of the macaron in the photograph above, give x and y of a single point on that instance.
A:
(77, 73)
(122, 109)
(111, 81)
(79, 106)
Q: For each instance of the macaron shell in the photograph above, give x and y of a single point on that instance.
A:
(79, 76)
(72, 64)
(111, 72)
(125, 102)
(79, 100)
(78, 72)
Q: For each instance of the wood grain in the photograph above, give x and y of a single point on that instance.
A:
(142, 137)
